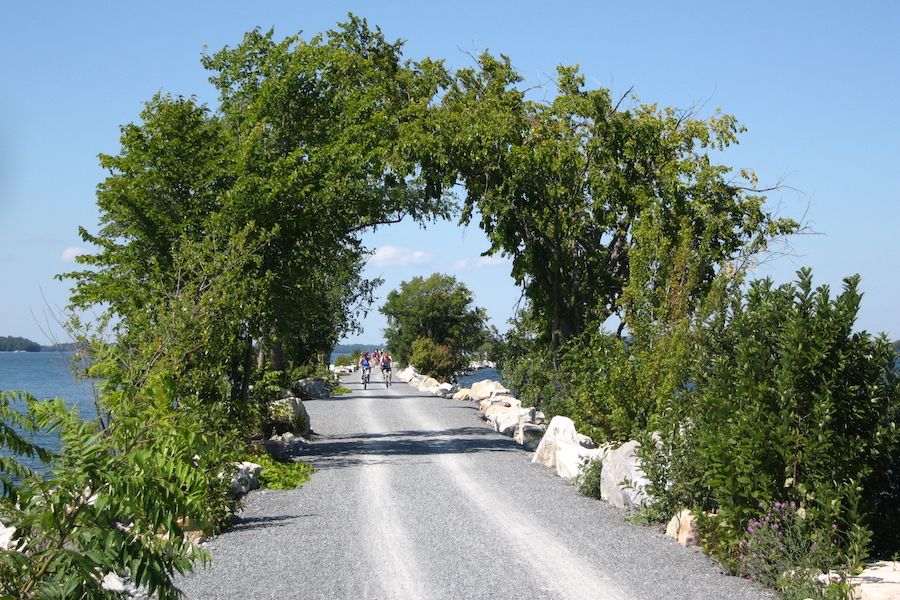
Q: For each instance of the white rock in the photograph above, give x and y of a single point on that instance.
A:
(6, 534)
(571, 458)
(879, 581)
(245, 478)
(406, 374)
(112, 583)
(510, 419)
(464, 395)
(559, 429)
(529, 435)
(622, 481)
(487, 387)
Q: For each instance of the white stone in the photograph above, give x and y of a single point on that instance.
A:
(622, 481)
(879, 581)
(406, 374)
(6, 534)
(529, 435)
(510, 419)
(464, 395)
(559, 429)
(112, 583)
(571, 458)
(311, 388)
(487, 387)
(245, 478)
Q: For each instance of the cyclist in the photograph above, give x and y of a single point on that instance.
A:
(386, 366)
(364, 366)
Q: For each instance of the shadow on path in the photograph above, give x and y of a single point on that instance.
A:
(354, 449)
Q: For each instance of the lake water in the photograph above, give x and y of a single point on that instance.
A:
(45, 375)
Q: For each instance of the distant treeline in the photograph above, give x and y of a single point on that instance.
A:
(349, 348)
(20, 344)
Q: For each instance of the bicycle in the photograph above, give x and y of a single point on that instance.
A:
(366, 374)
(386, 373)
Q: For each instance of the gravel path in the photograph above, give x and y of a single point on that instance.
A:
(415, 498)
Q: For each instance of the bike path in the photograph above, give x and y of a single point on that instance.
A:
(413, 497)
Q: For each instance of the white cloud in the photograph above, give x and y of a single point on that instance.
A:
(69, 254)
(388, 256)
(491, 261)
(476, 263)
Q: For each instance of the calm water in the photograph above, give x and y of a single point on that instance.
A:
(45, 375)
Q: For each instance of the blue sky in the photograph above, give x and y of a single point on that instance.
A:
(816, 83)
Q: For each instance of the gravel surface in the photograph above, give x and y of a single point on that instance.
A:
(414, 497)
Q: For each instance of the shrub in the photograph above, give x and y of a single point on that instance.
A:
(116, 499)
(789, 405)
(281, 474)
(436, 361)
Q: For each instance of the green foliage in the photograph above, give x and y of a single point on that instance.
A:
(281, 474)
(119, 499)
(588, 482)
(562, 187)
(343, 360)
(789, 405)
(229, 238)
(436, 360)
(525, 365)
(15, 426)
(438, 309)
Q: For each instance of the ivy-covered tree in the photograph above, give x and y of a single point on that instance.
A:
(438, 309)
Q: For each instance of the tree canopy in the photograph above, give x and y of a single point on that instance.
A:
(439, 309)
(563, 186)
(237, 230)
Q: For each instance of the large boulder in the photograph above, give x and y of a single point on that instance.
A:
(464, 395)
(501, 405)
(6, 535)
(560, 429)
(430, 384)
(622, 481)
(509, 420)
(286, 414)
(405, 374)
(311, 388)
(529, 435)
(880, 580)
(487, 388)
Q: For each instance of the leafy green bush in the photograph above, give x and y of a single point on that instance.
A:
(789, 405)
(117, 499)
(436, 361)
(281, 474)
(345, 360)
(588, 481)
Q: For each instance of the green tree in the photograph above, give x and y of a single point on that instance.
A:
(438, 309)
(561, 186)
(264, 200)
